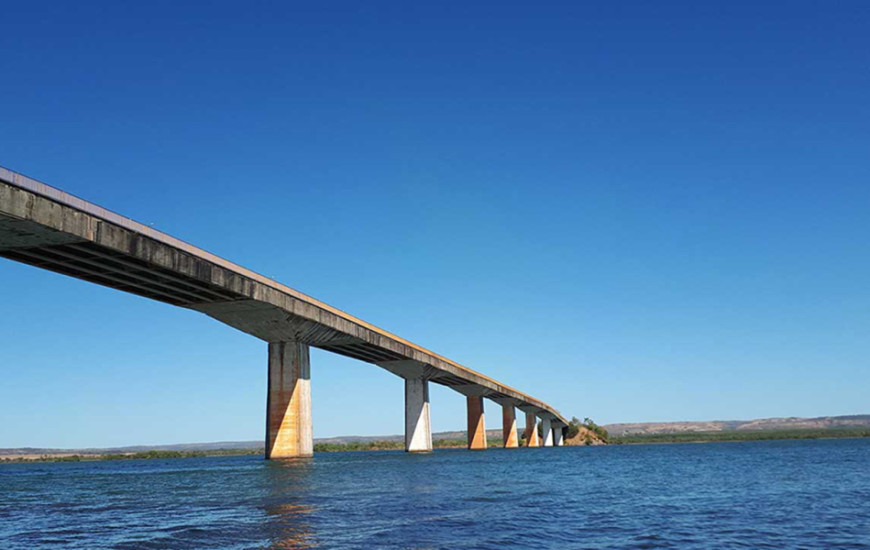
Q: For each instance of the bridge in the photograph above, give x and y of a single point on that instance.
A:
(45, 227)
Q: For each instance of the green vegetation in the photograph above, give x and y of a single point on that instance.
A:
(741, 435)
(596, 429)
(137, 456)
(318, 447)
(574, 428)
(396, 445)
(358, 446)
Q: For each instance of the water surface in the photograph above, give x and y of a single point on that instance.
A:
(781, 494)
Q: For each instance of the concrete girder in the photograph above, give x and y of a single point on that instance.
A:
(530, 409)
(46, 227)
(472, 390)
(407, 368)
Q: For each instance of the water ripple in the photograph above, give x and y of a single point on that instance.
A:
(807, 494)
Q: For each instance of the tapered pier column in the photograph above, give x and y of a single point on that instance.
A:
(557, 435)
(418, 428)
(288, 404)
(509, 426)
(546, 432)
(476, 428)
(531, 431)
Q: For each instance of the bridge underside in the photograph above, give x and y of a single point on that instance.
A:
(46, 228)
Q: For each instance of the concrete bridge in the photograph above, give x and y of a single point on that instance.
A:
(48, 228)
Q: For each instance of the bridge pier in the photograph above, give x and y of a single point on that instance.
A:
(557, 435)
(531, 431)
(546, 432)
(476, 427)
(288, 403)
(509, 425)
(418, 427)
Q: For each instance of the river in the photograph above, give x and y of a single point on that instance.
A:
(772, 494)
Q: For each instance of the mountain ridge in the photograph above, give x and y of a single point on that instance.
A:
(775, 423)
(617, 429)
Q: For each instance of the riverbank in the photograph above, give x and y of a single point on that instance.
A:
(163, 454)
(740, 435)
(90, 457)
(392, 445)
(584, 437)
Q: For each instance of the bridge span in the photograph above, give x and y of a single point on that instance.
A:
(48, 228)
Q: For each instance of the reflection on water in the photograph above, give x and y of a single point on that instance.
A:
(757, 494)
(289, 486)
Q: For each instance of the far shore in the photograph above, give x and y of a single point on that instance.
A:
(398, 445)
(740, 435)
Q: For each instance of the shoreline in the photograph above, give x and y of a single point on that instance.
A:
(740, 435)
(649, 439)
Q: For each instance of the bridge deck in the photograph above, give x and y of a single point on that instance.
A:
(48, 228)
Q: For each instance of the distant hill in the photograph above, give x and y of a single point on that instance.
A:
(790, 423)
(219, 445)
(39, 451)
(616, 430)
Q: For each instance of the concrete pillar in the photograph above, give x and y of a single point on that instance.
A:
(531, 431)
(476, 428)
(418, 428)
(546, 432)
(288, 403)
(557, 435)
(509, 426)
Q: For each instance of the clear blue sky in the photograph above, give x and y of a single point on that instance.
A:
(636, 211)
